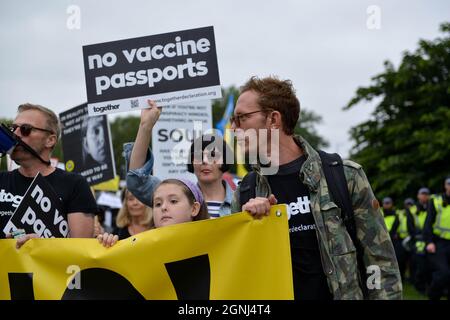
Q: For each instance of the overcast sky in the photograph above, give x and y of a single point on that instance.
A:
(324, 47)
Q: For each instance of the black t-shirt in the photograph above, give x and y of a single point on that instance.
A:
(123, 233)
(71, 188)
(309, 279)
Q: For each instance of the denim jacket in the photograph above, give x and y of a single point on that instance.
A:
(141, 183)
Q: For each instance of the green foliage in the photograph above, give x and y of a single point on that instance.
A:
(305, 128)
(219, 105)
(406, 143)
(123, 129)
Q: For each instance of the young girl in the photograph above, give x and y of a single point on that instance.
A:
(174, 201)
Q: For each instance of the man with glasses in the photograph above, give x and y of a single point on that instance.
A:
(39, 128)
(323, 254)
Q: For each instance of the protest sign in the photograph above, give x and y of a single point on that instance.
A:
(40, 212)
(177, 127)
(87, 145)
(169, 68)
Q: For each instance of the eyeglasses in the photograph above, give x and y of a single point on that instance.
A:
(237, 118)
(25, 129)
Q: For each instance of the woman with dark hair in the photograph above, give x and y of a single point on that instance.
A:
(207, 161)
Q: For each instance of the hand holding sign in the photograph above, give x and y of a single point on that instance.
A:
(150, 115)
(39, 213)
(21, 240)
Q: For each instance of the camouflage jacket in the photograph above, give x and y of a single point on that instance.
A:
(337, 250)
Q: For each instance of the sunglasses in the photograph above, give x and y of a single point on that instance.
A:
(236, 119)
(25, 129)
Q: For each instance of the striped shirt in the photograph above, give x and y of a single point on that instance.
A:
(213, 208)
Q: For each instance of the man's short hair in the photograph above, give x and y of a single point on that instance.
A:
(53, 123)
(278, 95)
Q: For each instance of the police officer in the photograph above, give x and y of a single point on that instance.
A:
(388, 213)
(437, 236)
(421, 276)
(402, 233)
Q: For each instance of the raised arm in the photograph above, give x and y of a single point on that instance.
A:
(148, 119)
(140, 182)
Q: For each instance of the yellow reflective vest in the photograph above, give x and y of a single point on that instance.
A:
(388, 220)
(419, 217)
(402, 230)
(441, 227)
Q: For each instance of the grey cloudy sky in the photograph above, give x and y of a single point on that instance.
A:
(324, 47)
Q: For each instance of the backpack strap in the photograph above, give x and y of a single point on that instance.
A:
(333, 169)
(247, 188)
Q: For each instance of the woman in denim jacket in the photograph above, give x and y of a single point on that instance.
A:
(207, 163)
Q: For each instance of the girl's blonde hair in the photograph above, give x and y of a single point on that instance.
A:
(124, 218)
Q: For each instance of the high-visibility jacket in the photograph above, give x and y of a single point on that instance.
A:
(441, 227)
(388, 220)
(419, 217)
(402, 230)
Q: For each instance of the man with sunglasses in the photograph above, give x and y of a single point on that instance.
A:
(324, 260)
(39, 128)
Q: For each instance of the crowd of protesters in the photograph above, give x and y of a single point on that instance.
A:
(415, 238)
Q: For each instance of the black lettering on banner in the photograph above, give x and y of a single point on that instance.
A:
(21, 286)
(191, 277)
(98, 283)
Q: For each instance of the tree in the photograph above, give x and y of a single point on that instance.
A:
(123, 129)
(305, 128)
(219, 105)
(406, 142)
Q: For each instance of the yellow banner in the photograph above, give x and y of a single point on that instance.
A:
(110, 185)
(234, 257)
